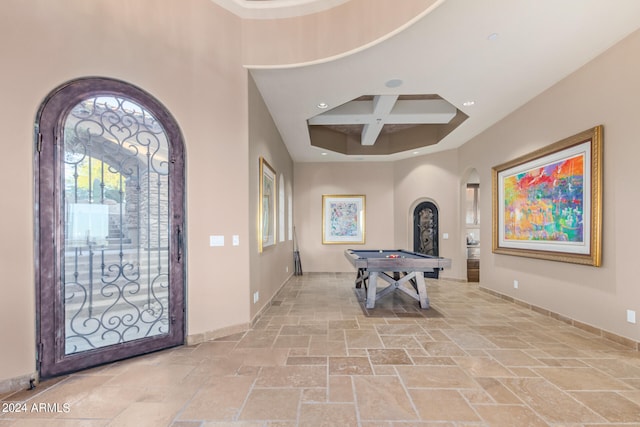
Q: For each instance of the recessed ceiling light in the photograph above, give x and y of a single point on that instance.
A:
(324, 154)
(416, 152)
(469, 103)
(394, 83)
(493, 36)
(323, 105)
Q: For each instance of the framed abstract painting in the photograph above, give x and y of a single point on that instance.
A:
(267, 206)
(343, 219)
(548, 204)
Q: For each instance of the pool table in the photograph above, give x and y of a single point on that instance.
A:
(397, 267)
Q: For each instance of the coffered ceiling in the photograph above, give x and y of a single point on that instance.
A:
(384, 124)
(438, 82)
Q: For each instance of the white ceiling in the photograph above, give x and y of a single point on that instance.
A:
(498, 53)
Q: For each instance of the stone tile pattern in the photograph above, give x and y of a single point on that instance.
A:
(317, 357)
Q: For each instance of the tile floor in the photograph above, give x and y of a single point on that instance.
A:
(317, 358)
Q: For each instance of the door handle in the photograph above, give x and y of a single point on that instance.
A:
(179, 242)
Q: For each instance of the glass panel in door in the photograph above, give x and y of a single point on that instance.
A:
(115, 208)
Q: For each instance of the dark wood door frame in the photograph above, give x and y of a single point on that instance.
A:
(49, 229)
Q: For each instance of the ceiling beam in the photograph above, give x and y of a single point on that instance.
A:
(424, 111)
(382, 106)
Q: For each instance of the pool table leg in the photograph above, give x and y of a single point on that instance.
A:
(361, 278)
(371, 290)
(422, 290)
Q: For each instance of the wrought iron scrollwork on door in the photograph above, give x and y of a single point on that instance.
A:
(425, 231)
(116, 215)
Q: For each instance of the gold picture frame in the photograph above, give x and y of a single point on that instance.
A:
(343, 219)
(267, 206)
(548, 204)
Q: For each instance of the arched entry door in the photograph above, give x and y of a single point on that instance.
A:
(425, 231)
(110, 209)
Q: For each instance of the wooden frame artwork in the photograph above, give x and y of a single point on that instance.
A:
(267, 206)
(343, 219)
(548, 204)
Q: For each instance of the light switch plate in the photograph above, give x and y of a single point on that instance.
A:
(216, 240)
(631, 316)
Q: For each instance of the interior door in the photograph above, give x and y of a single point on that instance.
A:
(110, 209)
(425, 232)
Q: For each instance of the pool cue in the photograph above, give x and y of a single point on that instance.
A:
(297, 265)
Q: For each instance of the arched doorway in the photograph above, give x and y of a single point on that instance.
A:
(425, 231)
(472, 224)
(110, 219)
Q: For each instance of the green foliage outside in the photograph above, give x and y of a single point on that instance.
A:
(100, 174)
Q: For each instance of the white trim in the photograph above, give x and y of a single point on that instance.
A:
(275, 9)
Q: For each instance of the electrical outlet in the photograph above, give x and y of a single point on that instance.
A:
(256, 297)
(515, 284)
(286, 269)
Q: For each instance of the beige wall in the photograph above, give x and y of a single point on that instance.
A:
(187, 55)
(271, 268)
(330, 33)
(430, 178)
(374, 180)
(603, 92)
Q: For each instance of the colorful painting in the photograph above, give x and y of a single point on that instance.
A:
(547, 204)
(342, 219)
